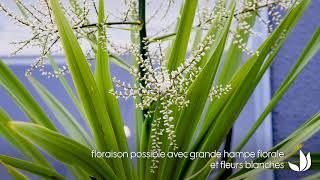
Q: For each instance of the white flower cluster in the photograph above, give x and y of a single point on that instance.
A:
(163, 90)
(218, 91)
(213, 16)
(158, 84)
(40, 65)
(248, 9)
(37, 16)
(239, 41)
(276, 9)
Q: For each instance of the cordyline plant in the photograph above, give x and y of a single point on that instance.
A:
(182, 102)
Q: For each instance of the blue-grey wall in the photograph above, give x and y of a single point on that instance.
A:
(303, 98)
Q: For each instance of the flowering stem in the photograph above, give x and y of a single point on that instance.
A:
(255, 9)
(142, 40)
(247, 10)
(140, 125)
(111, 23)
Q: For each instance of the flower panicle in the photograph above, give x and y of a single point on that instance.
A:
(38, 18)
(161, 87)
(272, 18)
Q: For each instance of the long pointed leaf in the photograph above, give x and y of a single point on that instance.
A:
(180, 45)
(15, 174)
(33, 168)
(287, 146)
(315, 176)
(198, 94)
(67, 87)
(242, 80)
(22, 97)
(211, 69)
(234, 55)
(66, 119)
(64, 149)
(20, 143)
(88, 92)
(308, 53)
(104, 84)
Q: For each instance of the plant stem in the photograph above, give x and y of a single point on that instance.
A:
(227, 148)
(142, 40)
(138, 23)
(142, 130)
(111, 23)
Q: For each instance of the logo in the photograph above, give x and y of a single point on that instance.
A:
(305, 163)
